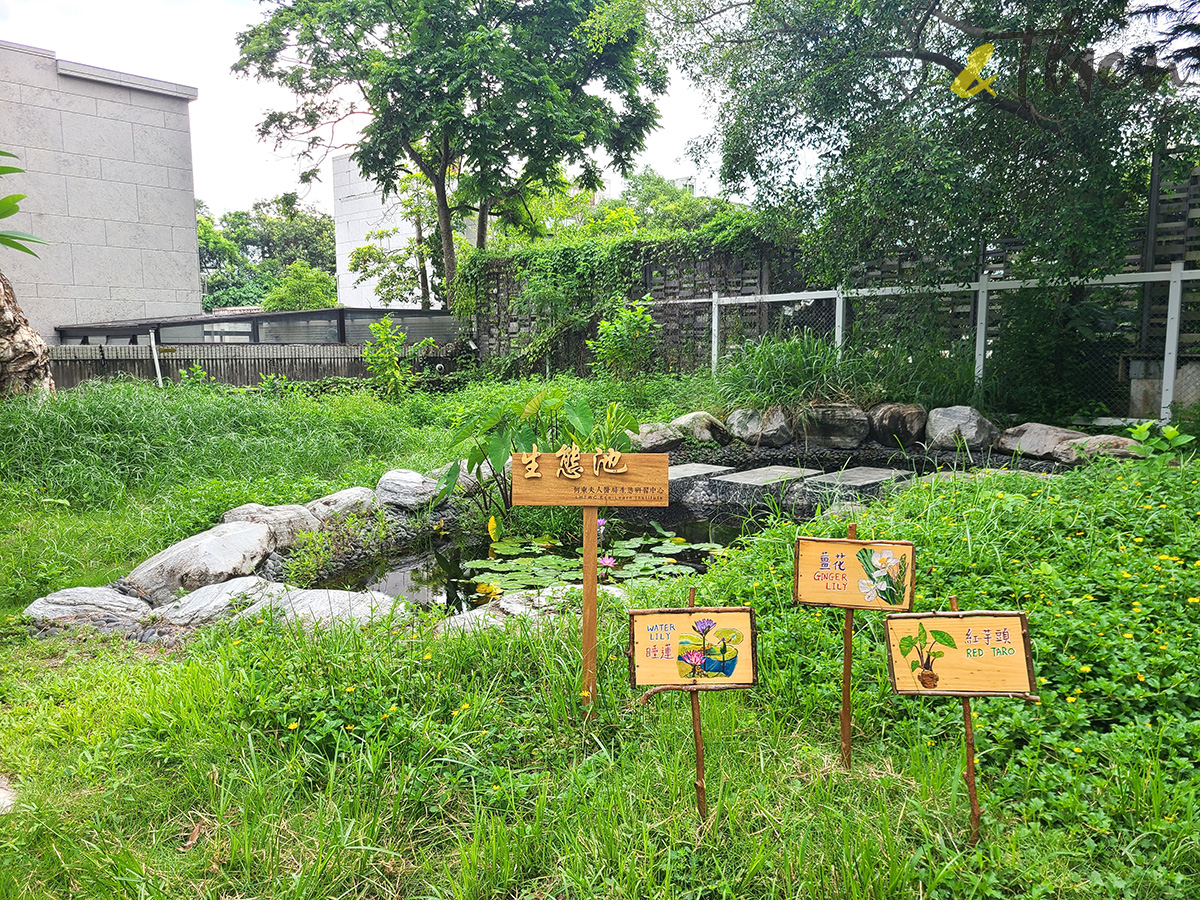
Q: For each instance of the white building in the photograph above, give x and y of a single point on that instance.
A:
(108, 179)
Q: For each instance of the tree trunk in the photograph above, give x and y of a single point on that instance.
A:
(24, 356)
(481, 230)
(422, 275)
(446, 226)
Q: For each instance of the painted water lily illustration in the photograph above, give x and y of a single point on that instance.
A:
(702, 627)
(695, 659)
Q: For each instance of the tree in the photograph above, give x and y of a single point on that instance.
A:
(245, 253)
(302, 287)
(489, 97)
(890, 131)
(400, 270)
(663, 205)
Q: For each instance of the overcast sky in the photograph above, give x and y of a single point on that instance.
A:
(192, 42)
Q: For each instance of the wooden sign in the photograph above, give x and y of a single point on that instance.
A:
(571, 478)
(854, 574)
(709, 648)
(960, 654)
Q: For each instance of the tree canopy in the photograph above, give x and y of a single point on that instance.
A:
(489, 98)
(245, 253)
(898, 133)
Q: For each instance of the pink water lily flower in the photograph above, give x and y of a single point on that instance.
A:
(606, 561)
(695, 659)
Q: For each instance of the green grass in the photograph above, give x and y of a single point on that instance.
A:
(96, 479)
(463, 767)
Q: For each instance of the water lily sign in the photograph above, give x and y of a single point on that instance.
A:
(699, 649)
(854, 574)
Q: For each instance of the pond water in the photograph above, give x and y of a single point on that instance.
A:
(462, 577)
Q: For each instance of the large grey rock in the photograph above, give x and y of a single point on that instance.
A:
(655, 437)
(1096, 445)
(89, 605)
(219, 601)
(351, 501)
(285, 522)
(837, 425)
(769, 429)
(898, 424)
(24, 356)
(213, 556)
(1036, 440)
(535, 607)
(324, 607)
(405, 489)
(949, 426)
(703, 427)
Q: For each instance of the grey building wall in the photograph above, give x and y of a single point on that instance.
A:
(108, 179)
(357, 209)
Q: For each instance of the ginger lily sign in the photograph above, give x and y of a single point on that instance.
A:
(854, 574)
(960, 654)
(570, 477)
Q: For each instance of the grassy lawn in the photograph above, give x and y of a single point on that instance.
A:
(260, 761)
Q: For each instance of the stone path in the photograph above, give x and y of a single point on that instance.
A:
(788, 485)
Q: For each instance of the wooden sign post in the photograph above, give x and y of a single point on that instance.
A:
(855, 575)
(961, 654)
(714, 648)
(590, 480)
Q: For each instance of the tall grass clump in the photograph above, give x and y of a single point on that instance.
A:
(791, 372)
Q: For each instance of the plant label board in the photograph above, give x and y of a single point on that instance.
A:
(569, 477)
(960, 654)
(706, 648)
(854, 574)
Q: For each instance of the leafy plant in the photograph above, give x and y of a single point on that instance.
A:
(924, 644)
(627, 346)
(546, 420)
(389, 361)
(1159, 441)
(10, 206)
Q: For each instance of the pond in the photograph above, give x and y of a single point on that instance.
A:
(461, 577)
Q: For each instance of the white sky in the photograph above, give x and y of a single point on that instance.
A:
(193, 42)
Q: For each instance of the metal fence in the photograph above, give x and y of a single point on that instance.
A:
(1091, 348)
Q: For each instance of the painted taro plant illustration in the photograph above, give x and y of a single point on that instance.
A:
(924, 643)
(886, 574)
(715, 655)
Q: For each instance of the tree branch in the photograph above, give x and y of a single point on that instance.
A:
(1022, 110)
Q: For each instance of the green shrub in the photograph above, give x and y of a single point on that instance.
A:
(627, 346)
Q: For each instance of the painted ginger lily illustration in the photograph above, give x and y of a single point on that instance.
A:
(924, 643)
(885, 573)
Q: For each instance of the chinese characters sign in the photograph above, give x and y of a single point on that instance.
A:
(960, 654)
(569, 477)
(704, 647)
(855, 574)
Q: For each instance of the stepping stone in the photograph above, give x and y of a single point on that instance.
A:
(752, 487)
(850, 484)
(695, 470)
(689, 483)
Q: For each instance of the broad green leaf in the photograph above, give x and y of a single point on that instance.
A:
(906, 644)
(944, 639)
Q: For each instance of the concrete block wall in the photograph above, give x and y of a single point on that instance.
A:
(108, 179)
(358, 209)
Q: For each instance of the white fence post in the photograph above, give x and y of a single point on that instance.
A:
(1171, 350)
(839, 321)
(716, 331)
(981, 324)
